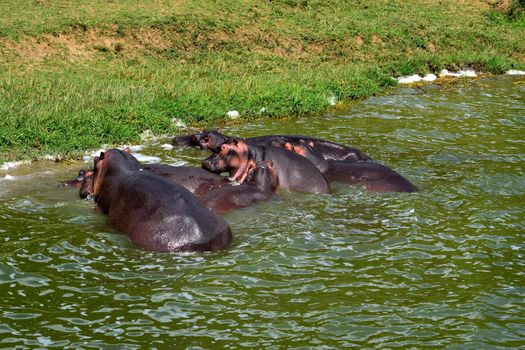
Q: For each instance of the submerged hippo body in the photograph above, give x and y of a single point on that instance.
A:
(211, 140)
(76, 182)
(156, 214)
(375, 177)
(328, 149)
(293, 171)
(260, 184)
(196, 180)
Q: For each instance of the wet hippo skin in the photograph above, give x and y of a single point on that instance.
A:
(196, 180)
(375, 177)
(156, 214)
(211, 140)
(261, 182)
(294, 171)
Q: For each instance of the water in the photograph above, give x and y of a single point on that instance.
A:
(443, 268)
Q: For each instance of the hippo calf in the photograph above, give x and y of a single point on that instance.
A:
(260, 183)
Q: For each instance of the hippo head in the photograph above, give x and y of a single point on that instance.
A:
(76, 182)
(109, 164)
(232, 156)
(209, 140)
(304, 149)
(264, 176)
(86, 186)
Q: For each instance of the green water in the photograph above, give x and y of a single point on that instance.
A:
(443, 268)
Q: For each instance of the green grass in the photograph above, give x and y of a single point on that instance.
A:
(77, 74)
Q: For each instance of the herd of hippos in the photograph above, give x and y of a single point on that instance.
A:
(175, 208)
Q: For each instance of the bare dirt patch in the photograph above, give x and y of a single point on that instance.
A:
(81, 45)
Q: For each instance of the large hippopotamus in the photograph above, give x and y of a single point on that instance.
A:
(211, 140)
(156, 214)
(375, 177)
(296, 173)
(260, 183)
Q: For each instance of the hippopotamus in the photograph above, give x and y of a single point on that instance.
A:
(375, 177)
(83, 182)
(156, 214)
(76, 182)
(296, 173)
(196, 180)
(211, 140)
(260, 183)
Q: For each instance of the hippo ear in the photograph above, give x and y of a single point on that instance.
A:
(127, 150)
(81, 173)
(270, 163)
(101, 156)
(311, 144)
(288, 146)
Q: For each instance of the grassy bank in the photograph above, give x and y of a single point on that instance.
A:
(77, 74)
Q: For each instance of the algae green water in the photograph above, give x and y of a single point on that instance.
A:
(443, 268)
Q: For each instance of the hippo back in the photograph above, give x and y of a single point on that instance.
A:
(196, 180)
(164, 216)
(328, 149)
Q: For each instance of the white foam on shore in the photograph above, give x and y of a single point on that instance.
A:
(166, 146)
(12, 165)
(135, 148)
(516, 72)
(146, 159)
(429, 77)
(53, 158)
(409, 79)
(461, 73)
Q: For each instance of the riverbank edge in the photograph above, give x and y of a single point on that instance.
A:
(147, 137)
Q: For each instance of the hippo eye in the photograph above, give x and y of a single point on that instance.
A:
(81, 173)
(223, 148)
